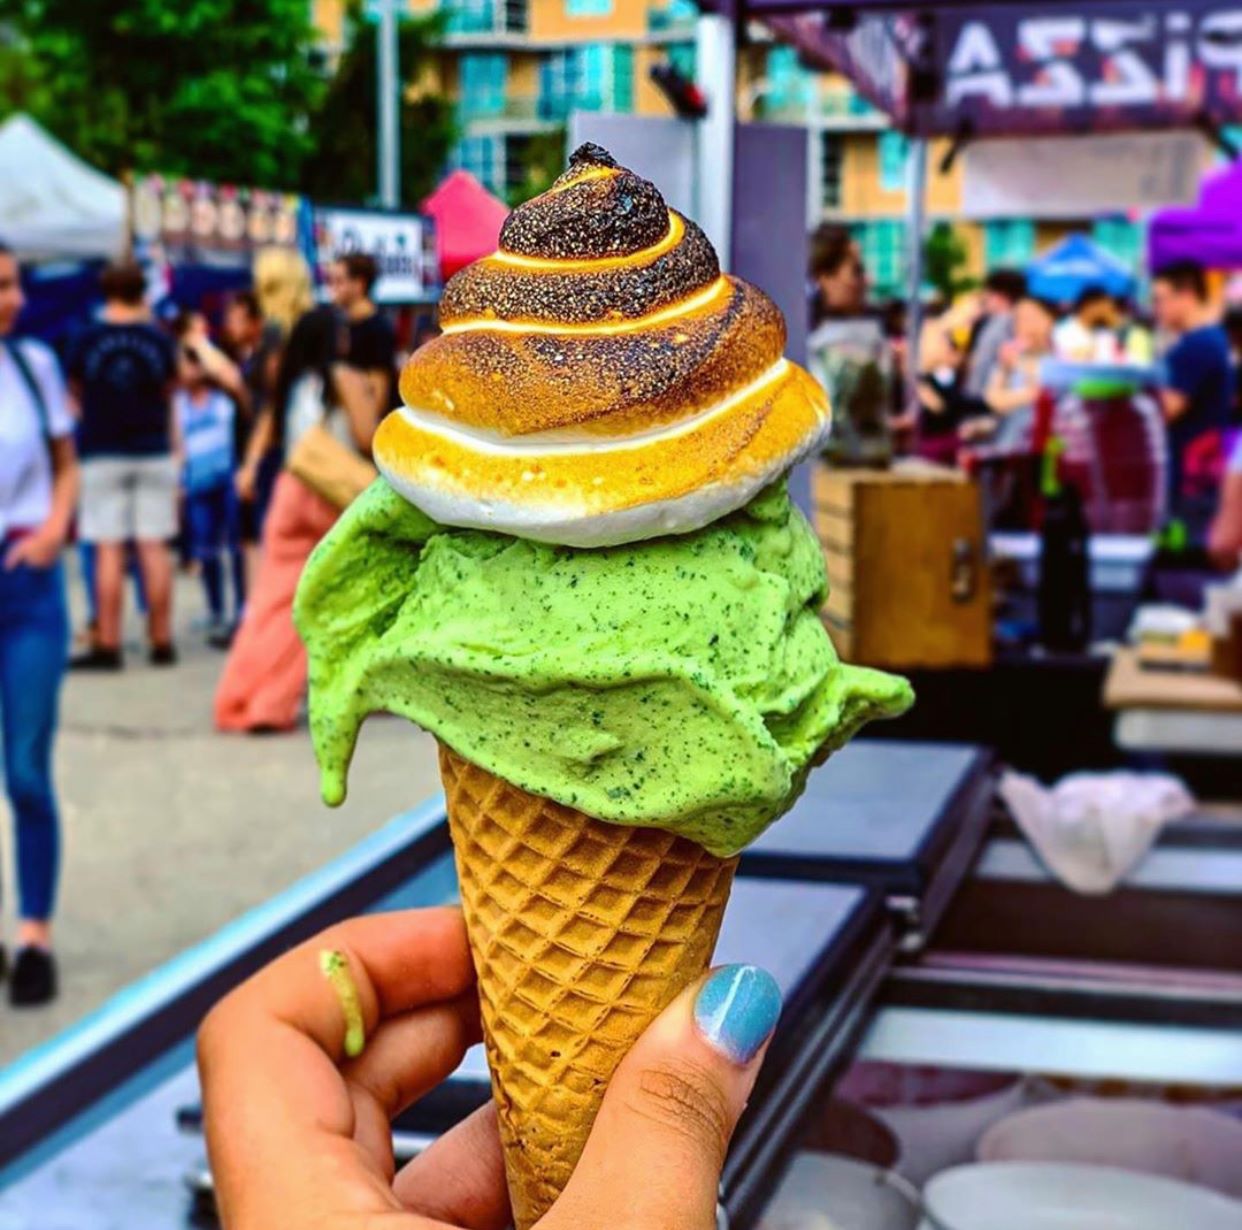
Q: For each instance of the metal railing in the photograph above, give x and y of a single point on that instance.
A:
(839, 106)
(488, 17)
(541, 108)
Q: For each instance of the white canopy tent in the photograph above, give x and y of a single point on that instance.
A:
(54, 206)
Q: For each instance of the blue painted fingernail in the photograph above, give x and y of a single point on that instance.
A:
(737, 1010)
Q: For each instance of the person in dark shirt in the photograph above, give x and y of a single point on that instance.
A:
(372, 341)
(1197, 398)
(121, 370)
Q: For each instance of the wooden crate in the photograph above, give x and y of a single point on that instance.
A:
(907, 571)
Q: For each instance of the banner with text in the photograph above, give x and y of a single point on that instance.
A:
(403, 245)
(1055, 67)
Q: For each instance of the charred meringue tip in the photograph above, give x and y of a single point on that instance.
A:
(598, 379)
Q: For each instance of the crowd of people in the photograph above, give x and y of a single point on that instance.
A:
(240, 445)
(978, 375)
(238, 448)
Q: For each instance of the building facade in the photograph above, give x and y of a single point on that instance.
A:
(517, 68)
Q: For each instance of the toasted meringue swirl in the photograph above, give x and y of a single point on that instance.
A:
(598, 379)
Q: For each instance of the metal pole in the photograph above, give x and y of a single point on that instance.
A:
(388, 96)
(716, 59)
(916, 219)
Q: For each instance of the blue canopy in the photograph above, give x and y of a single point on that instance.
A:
(1062, 273)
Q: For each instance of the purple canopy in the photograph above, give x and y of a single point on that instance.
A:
(975, 68)
(1210, 233)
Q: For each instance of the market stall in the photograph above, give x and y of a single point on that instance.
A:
(54, 206)
(1210, 233)
(468, 220)
(1074, 265)
(63, 218)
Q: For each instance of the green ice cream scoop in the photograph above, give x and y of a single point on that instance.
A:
(683, 683)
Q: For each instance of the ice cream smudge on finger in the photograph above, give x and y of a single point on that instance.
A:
(334, 965)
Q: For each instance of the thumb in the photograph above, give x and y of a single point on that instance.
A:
(654, 1156)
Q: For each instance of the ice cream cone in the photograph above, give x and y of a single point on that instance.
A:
(582, 933)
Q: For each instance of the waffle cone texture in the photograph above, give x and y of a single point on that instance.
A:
(582, 933)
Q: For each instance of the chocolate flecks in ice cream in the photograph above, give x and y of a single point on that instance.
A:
(685, 684)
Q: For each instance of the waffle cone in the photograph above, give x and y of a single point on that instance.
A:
(582, 933)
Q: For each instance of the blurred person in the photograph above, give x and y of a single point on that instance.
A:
(252, 343)
(372, 340)
(1003, 289)
(1015, 385)
(284, 289)
(38, 493)
(943, 405)
(848, 353)
(1197, 399)
(265, 675)
(121, 370)
(298, 1133)
(1134, 334)
(205, 419)
(1225, 534)
(1092, 331)
(1232, 324)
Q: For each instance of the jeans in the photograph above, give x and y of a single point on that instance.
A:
(213, 522)
(34, 635)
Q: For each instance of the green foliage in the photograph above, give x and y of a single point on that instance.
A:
(944, 255)
(542, 159)
(343, 167)
(216, 89)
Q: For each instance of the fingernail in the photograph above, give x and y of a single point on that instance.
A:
(737, 1010)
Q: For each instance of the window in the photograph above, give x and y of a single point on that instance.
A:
(594, 77)
(1009, 244)
(483, 83)
(470, 16)
(1121, 238)
(682, 57)
(622, 99)
(483, 157)
(893, 147)
(516, 16)
(671, 15)
(588, 8)
(832, 151)
(883, 246)
(788, 84)
(557, 85)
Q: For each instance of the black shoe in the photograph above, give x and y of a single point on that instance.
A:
(164, 655)
(222, 638)
(97, 659)
(33, 980)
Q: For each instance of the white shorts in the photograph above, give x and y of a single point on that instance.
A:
(128, 499)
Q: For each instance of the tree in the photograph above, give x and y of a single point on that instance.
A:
(212, 89)
(944, 255)
(542, 159)
(345, 128)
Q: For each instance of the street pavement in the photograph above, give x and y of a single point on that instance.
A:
(171, 830)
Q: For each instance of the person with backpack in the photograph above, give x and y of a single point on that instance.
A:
(38, 494)
(122, 370)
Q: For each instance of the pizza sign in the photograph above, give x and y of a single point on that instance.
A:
(1172, 60)
(1012, 68)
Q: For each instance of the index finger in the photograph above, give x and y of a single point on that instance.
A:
(269, 1053)
(396, 962)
